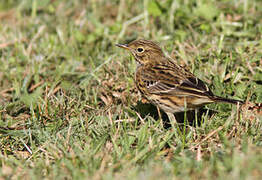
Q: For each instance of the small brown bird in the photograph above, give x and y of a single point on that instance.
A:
(166, 84)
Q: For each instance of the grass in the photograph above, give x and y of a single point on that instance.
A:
(69, 108)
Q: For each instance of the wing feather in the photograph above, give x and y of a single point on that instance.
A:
(163, 79)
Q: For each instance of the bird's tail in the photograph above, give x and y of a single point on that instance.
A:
(255, 107)
(226, 100)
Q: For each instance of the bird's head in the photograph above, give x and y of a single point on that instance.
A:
(144, 51)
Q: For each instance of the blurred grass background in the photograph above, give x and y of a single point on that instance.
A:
(69, 108)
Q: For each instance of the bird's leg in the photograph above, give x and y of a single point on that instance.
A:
(160, 117)
(196, 116)
(172, 119)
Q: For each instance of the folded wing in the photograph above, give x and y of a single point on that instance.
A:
(164, 79)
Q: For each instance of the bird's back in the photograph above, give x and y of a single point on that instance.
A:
(171, 87)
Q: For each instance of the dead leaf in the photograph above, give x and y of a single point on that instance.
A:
(251, 111)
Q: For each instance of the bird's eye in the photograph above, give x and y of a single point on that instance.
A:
(140, 49)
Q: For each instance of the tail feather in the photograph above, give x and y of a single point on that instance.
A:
(255, 107)
(226, 100)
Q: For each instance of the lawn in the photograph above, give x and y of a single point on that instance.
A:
(69, 108)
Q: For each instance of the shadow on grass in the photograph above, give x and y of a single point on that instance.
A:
(193, 117)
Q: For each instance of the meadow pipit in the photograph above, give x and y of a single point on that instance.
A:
(165, 83)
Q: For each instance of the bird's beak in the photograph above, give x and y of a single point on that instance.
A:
(125, 46)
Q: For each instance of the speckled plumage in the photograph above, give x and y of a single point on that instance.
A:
(166, 84)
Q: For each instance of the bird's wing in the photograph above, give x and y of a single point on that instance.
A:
(169, 79)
